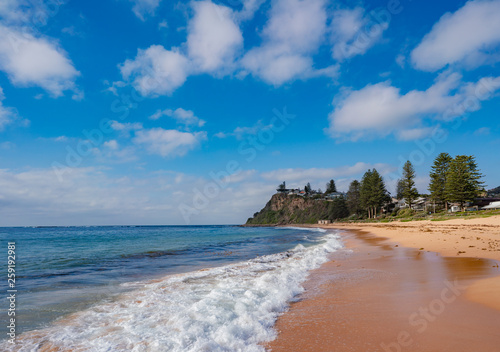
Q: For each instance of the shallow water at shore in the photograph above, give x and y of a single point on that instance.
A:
(210, 302)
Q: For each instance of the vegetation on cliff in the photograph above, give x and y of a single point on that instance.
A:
(292, 209)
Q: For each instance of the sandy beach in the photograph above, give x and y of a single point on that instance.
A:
(405, 286)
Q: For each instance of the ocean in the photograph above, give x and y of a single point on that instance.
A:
(156, 288)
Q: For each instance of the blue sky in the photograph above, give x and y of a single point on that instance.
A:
(161, 112)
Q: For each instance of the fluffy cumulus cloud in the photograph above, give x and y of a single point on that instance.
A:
(291, 36)
(156, 70)
(381, 109)
(168, 143)
(159, 141)
(213, 41)
(468, 37)
(214, 37)
(181, 116)
(35, 61)
(353, 32)
(143, 8)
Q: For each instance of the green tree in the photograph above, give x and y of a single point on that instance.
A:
(354, 198)
(409, 191)
(339, 209)
(463, 181)
(373, 193)
(307, 188)
(330, 187)
(439, 175)
(282, 186)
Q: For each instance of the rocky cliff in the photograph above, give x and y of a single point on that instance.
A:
(285, 209)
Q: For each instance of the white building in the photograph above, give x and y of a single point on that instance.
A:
(492, 205)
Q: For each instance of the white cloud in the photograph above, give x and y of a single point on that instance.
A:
(32, 61)
(483, 131)
(60, 139)
(22, 11)
(126, 127)
(156, 70)
(315, 174)
(143, 8)
(291, 36)
(401, 60)
(241, 132)
(89, 196)
(168, 143)
(353, 32)
(249, 9)
(414, 133)
(381, 109)
(182, 116)
(163, 25)
(84, 196)
(467, 36)
(214, 38)
(111, 152)
(112, 144)
(7, 115)
(220, 135)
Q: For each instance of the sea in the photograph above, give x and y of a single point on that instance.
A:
(155, 288)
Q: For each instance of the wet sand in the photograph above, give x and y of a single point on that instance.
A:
(386, 297)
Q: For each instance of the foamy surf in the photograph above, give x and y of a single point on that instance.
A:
(229, 308)
(314, 229)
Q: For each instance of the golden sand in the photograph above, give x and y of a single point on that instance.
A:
(416, 286)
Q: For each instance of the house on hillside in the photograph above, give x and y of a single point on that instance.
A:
(333, 195)
(419, 204)
(297, 192)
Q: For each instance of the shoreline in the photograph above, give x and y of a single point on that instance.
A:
(376, 298)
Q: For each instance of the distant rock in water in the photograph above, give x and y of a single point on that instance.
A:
(284, 209)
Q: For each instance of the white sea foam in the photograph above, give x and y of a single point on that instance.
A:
(314, 229)
(230, 308)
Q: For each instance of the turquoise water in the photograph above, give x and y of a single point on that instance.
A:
(63, 270)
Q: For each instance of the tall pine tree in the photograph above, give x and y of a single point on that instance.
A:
(463, 181)
(330, 187)
(409, 191)
(307, 188)
(439, 175)
(354, 198)
(373, 193)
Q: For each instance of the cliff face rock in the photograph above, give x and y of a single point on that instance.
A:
(285, 209)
